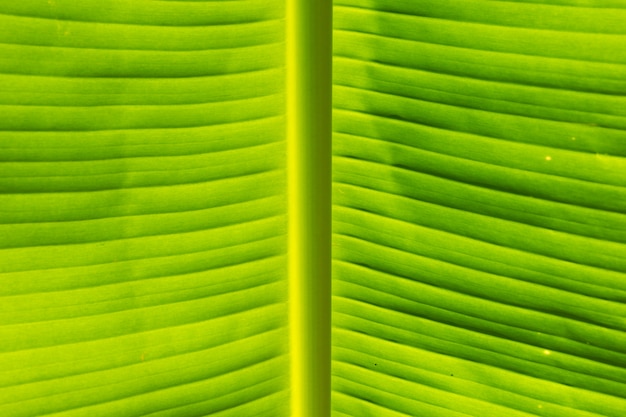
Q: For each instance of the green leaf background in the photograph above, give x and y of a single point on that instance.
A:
(142, 209)
(478, 214)
(479, 206)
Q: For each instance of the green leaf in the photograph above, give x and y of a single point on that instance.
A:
(479, 208)
(165, 210)
(142, 209)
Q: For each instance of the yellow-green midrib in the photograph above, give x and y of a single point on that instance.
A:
(142, 209)
(478, 214)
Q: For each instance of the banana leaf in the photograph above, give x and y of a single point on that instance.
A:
(167, 231)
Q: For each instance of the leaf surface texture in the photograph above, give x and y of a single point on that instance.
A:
(479, 208)
(142, 209)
